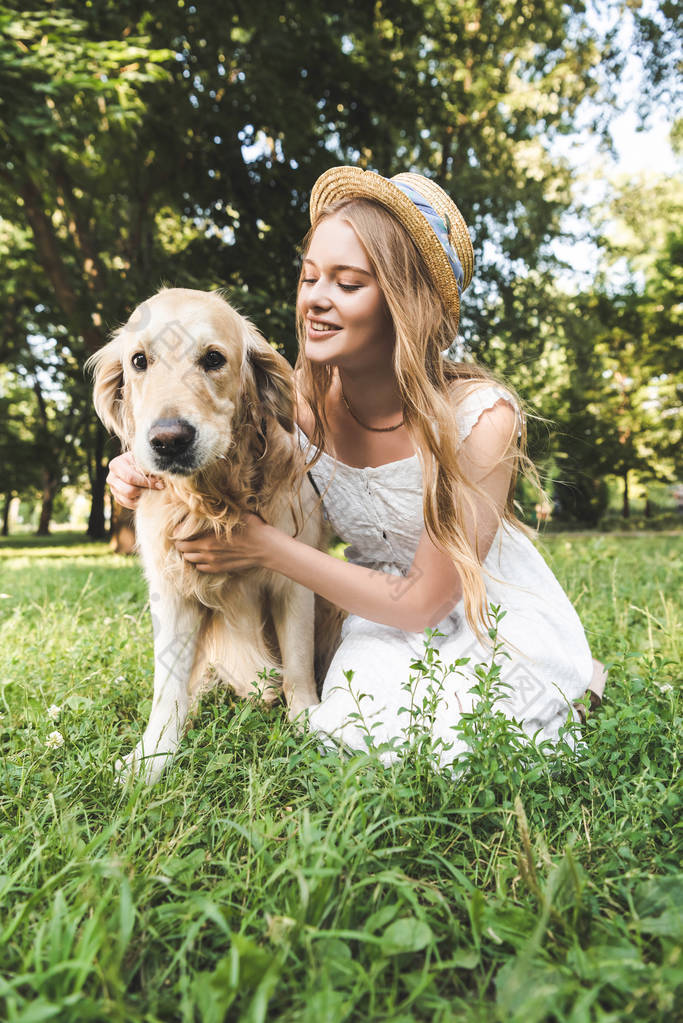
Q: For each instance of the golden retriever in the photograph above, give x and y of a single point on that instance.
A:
(201, 399)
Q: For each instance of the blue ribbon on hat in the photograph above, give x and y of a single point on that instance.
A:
(439, 227)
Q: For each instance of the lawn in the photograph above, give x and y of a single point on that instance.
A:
(262, 880)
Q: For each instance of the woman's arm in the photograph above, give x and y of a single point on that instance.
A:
(389, 599)
(393, 600)
(413, 602)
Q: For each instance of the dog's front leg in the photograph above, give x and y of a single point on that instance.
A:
(176, 630)
(293, 610)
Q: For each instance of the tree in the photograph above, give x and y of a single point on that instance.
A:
(68, 105)
(178, 144)
(658, 38)
(641, 324)
(19, 468)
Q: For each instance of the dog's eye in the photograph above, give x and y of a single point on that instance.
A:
(212, 360)
(139, 360)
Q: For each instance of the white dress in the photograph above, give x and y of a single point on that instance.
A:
(378, 512)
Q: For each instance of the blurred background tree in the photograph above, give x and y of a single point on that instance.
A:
(19, 467)
(178, 144)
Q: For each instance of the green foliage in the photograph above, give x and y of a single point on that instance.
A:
(611, 378)
(658, 37)
(178, 143)
(264, 880)
(70, 103)
(18, 454)
(259, 107)
(632, 381)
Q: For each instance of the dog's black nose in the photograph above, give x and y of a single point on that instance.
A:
(171, 436)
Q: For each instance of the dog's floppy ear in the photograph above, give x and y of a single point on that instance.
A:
(273, 379)
(107, 368)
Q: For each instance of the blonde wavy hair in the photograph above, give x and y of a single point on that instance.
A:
(423, 329)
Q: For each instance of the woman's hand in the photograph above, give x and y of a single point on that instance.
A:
(212, 554)
(127, 483)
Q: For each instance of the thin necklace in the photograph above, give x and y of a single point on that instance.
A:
(375, 429)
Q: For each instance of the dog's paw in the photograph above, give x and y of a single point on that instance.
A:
(137, 764)
(297, 711)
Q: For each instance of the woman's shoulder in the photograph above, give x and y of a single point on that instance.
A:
(474, 396)
(471, 389)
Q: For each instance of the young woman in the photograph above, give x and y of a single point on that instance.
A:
(415, 457)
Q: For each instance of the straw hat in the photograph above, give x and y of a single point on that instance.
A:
(428, 214)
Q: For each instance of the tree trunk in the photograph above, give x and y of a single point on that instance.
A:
(648, 506)
(123, 530)
(50, 483)
(5, 514)
(52, 260)
(96, 523)
(626, 508)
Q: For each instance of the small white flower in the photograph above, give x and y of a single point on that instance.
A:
(666, 688)
(53, 712)
(119, 678)
(54, 740)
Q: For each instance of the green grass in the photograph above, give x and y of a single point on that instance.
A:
(261, 880)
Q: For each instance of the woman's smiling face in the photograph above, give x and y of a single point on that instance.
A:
(346, 317)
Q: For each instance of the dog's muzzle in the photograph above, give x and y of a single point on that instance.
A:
(172, 441)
